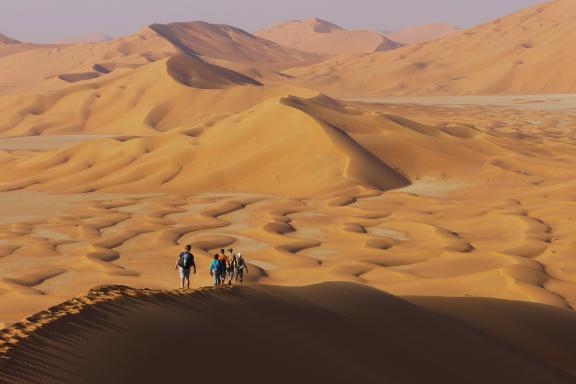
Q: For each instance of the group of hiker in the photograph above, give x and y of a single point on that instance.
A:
(225, 265)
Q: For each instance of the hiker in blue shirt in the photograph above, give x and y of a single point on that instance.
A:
(184, 264)
(216, 270)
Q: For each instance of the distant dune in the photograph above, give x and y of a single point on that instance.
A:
(225, 42)
(119, 335)
(179, 92)
(95, 37)
(319, 36)
(422, 33)
(7, 40)
(9, 46)
(527, 52)
(53, 67)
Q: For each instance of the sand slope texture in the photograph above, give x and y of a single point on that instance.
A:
(118, 335)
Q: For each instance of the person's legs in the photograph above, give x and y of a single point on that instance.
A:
(182, 277)
(187, 276)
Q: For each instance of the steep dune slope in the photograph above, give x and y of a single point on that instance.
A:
(526, 52)
(379, 337)
(319, 36)
(226, 43)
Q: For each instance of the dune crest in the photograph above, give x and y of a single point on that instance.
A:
(224, 42)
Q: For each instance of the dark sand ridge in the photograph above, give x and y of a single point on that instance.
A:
(283, 335)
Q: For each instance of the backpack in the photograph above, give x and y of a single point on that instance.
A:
(186, 260)
(215, 266)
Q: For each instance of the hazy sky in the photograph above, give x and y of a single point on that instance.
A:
(45, 20)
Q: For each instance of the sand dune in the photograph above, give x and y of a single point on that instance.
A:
(526, 52)
(95, 37)
(176, 93)
(319, 36)
(7, 40)
(320, 145)
(225, 42)
(422, 33)
(48, 68)
(9, 46)
(176, 162)
(86, 340)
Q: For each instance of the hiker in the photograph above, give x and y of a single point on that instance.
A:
(240, 267)
(231, 267)
(184, 264)
(223, 266)
(215, 268)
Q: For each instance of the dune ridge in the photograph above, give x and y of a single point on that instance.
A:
(225, 42)
(270, 321)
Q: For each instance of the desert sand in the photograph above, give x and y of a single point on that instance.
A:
(460, 201)
(94, 37)
(4, 40)
(320, 36)
(339, 189)
(422, 33)
(86, 340)
(55, 67)
(528, 52)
